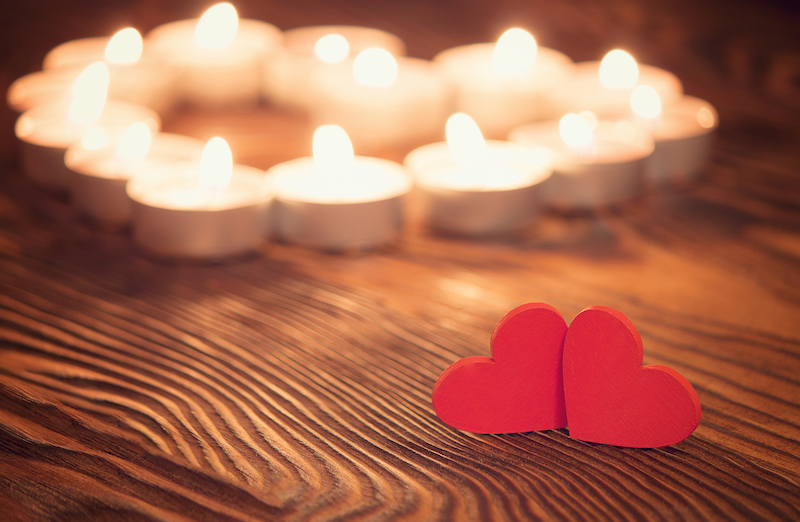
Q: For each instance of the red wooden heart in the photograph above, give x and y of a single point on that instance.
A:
(519, 388)
(611, 398)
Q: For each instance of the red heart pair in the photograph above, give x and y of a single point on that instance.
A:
(543, 375)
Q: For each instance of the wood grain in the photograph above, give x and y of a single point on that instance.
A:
(296, 385)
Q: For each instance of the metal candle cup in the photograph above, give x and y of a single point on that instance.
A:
(99, 177)
(175, 218)
(355, 214)
(683, 136)
(147, 84)
(611, 173)
(287, 76)
(498, 103)
(500, 196)
(411, 110)
(229, 76)
(46, 134)
(585, 91)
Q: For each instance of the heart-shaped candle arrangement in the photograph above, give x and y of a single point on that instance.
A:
(543, 375)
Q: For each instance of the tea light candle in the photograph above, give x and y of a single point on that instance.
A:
(470, 186)
(505, 84)
(125, 47)
(219, 56)
(605, 87)
(682, 130)
(210, 211)
(596, 164)
(46, 131)
(383, 101)
(305, 49)
(101, 167)
(134, 76)
(338, 201)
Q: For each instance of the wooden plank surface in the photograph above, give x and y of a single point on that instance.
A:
(295, 384)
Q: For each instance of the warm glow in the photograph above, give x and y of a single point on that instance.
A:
(333, 152)
(332, 48)
(618, 70)
(135, 142)
(706, 118)
(95, 138)
(625, 130)
(514, 53)
(575, 131)
(375, 67)
(125, 47)
(590, 117)
(216, 165)
(217, 27)
(465, 141)
(89, 93)
(645, 102)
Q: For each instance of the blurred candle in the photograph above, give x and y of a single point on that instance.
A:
(46, 131)
(595, 163)
(213, 210)
(605, 87)
(683, 133)
(133, 75)
(337, 201)
(287, 77)
(101, 166)
(383, 101)
(475, 187)
(504, 84)
(219, 56)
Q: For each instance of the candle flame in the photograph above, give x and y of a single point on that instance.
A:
(375, 67)
(333, 152)
(332, 48)
(216, 165)
(217, 28)
(125, 47)
(706, 118)
(618, 70)
(645, 102)
(135, 142)
(89, 93)
(465, 141)
(95, 138)
(575, 131)
(514, 53)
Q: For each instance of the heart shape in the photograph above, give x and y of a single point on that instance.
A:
(518, 389)
(611, 398)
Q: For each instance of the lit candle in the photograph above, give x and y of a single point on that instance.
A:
(219, 56)
(596, 163)
(473, 187)
(208, 211)
(505, 84)
(383, 101)
(682, 130)
(46, 131)
(133, 76)
(605, 87)
(337, 201)
(306, 49)
(102, 164)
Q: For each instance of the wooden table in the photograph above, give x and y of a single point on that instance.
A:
(295, 384)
